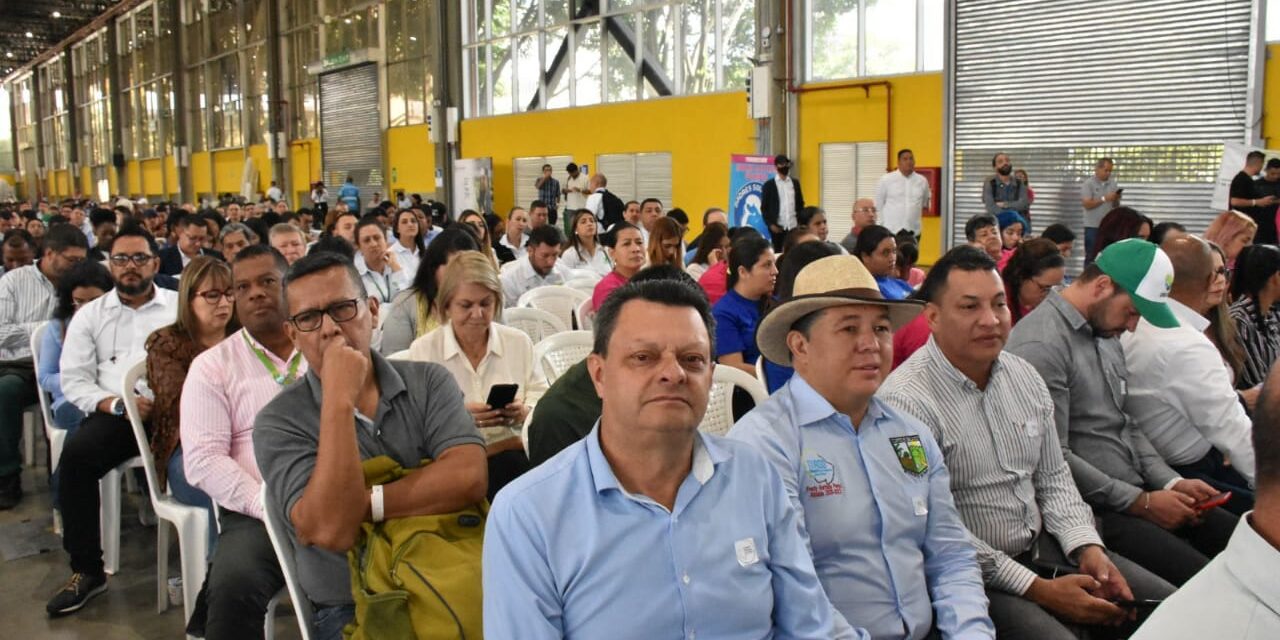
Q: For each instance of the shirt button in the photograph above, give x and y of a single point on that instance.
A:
(685, 578)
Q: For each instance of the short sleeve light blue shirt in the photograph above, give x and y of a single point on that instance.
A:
(878, 515)
(569, 553)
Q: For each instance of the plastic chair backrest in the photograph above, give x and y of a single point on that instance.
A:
(719, 416)
(536, 323)
(280, 541)
(557, 299)
(555, 354)
(46, 400)
(585, 315)
(131, 377)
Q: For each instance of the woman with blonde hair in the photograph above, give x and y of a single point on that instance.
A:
(664, 244)
(482, 354)
(1232, 231)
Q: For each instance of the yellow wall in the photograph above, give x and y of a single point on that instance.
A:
(1271, 98)
(700, 132)
(411, 161)
(228, 166)
(171, 175)
(851, 115)
(12, 179)
(86, 183)
(201, 172)
(304, 168)
(133, 178)
(152, 177)
(262, 163)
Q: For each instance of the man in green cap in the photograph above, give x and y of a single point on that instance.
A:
(1147, 512)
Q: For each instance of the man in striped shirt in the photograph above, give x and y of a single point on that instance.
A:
(993, 418)
(225, 389)
(27, 298)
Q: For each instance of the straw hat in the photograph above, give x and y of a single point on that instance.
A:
(830, 282)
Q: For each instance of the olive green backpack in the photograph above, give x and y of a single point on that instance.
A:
(416, 577)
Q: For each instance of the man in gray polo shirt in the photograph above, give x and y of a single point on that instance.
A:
(1098, 195)
(353, 405)
(1146, 511)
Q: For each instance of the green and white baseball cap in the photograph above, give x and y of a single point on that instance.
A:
(1146, 274)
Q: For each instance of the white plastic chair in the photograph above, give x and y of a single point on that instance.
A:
(109, 513)
(54, 435)
(557, 299)
(555, 354)
(585, 316)
(581, 284)
(585, 274)
(192, 523)
(284, 553)
(760, 373)
(719, 416)
(538, 324)
(524, 432)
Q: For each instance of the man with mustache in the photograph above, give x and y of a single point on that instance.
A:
(104, 339)
(887, 542)
(225, 389)
(1003, 191)
(992, 417)
(647, 528)
(1146, 509)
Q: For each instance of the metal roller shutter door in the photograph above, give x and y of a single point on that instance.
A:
(350, 134)
(1057, 84)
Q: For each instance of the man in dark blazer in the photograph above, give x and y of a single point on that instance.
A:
(193, 237)
(779, 218)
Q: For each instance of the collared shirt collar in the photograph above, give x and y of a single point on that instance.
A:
(390, 384)
(257, 343)
(707, 455)
(1068, 311)
(452, 349)
(954, 375)
(1188, 316)
(113, 300)
(811, 407)
(1254, 562)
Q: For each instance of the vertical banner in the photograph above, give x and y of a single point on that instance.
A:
(747, 175)
(473, 184)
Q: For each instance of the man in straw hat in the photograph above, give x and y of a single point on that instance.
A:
(888, 545)
(1047, 573)
(1148, 512)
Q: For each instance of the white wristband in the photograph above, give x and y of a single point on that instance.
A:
(375, 503)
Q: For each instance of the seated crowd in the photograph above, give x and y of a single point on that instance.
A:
(989, 449)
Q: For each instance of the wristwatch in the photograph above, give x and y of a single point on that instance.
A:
(117, 407)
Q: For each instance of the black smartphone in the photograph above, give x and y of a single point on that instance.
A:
(501, 395)
(1138, 604)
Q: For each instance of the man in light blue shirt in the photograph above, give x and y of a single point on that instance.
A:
(887, 542)
(648, 528)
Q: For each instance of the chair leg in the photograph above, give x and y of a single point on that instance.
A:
(28, 439)
(162, 566)
(269, 624)
(193, 544)
(109, 492)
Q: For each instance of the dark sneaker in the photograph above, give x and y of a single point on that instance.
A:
(79, 589)
(10, 491)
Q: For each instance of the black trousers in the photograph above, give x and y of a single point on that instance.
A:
(1172, 555)
(102, 443)
(245, 575)
(17, 392)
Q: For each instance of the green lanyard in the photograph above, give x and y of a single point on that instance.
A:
(280, 378)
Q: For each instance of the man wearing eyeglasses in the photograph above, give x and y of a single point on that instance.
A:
(104, 339)
(27, 298)
(865, 214)
(193, 240)
(352, 405)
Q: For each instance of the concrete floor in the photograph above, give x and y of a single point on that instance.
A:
(127, 611)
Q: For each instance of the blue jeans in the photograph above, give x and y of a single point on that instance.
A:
(329, 621)
(191, 496)
(1090, 241)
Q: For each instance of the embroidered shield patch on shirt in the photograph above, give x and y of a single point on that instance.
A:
(910, 454)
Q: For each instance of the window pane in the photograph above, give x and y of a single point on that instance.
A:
(473, 59)
(586, 65)
(396, 83)
(526, 18)
(397, 33)
(528, 70)
(659, 45)
(418, 92)
(415, 27)
(555, 42)
(737, 27)
(477, 27)
(891, 37)
(933, 36)
(500, 21)
(500, 58)
(555, 12)
(834, 25)
(699, 46)
(620, 83)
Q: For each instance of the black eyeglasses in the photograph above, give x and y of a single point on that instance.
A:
(1224, 272)
(139, 259)
(342, 311)
(214, 296)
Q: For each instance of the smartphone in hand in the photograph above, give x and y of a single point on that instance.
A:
(1213, 501)
(501, 395)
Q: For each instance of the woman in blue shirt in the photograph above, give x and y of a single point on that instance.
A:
(751, 277)
(878, 251)
(81, 285)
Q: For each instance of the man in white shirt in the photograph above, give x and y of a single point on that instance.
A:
(376, 263)
(650, 211)
(902, 196)
(576, 188)
(289, 240)
(538, 268)
(274, 193)
(104, 339)
(780, 201)
(1237, 595)
(1180, 392)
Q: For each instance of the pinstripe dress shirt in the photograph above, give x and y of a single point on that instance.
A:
(27, 298)
(1260, 338)
(1008, 476)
